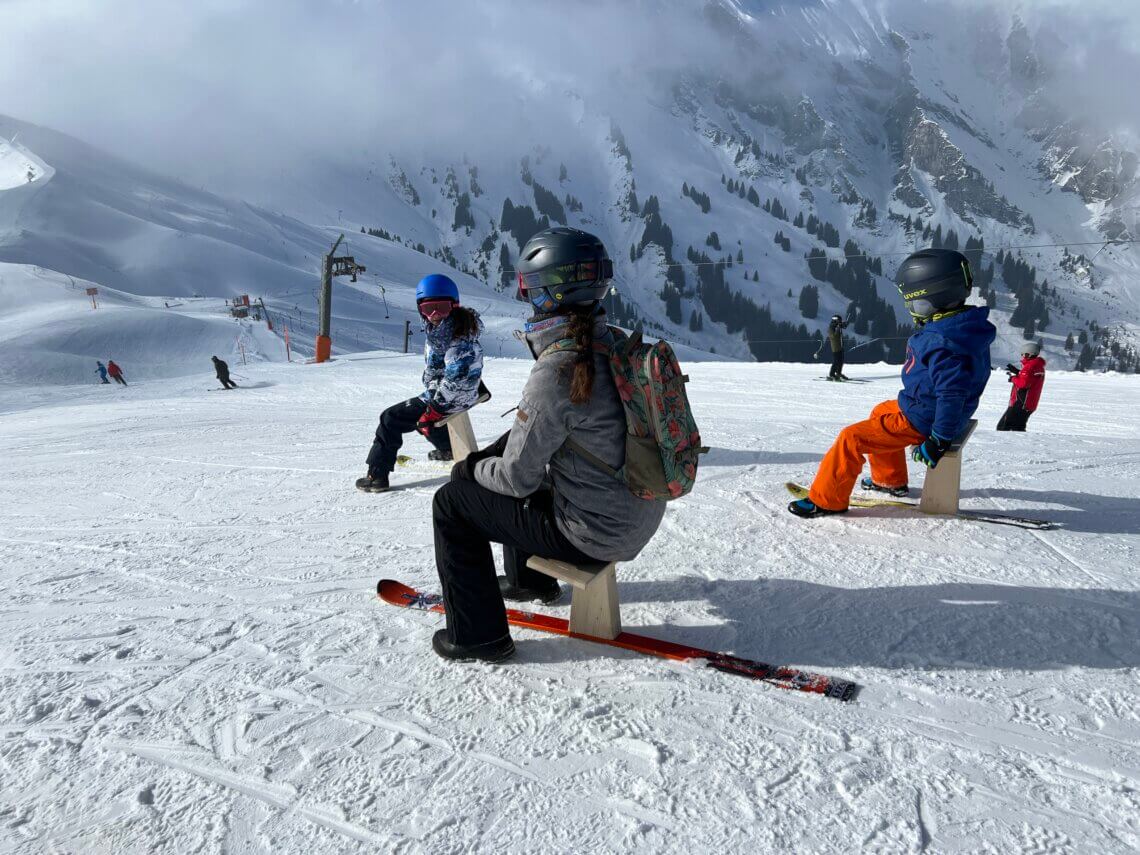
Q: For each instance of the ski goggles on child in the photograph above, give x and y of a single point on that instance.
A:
(434, 311)
(547, 288)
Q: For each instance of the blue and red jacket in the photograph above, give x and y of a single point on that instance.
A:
(946, 371)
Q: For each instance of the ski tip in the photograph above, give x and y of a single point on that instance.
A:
(396, 593)
(797, 490)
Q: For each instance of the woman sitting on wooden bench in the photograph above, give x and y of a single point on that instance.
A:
(529, 491)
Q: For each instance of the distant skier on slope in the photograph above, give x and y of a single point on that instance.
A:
(451, 377)
(947, 368)
(835, 339)
(530, 491)
(116, 372)
(223, 372)
(102, 372)
(1026, 392)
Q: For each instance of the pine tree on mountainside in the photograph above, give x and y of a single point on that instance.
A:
(809, 302)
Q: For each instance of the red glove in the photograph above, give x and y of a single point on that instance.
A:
(428, 419)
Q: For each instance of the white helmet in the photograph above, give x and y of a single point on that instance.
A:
(1031, 348)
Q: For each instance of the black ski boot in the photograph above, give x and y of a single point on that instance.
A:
(373, 483)
(518, 594)
(807, 508)
(436, 454)
(491, 651)
(898, 492)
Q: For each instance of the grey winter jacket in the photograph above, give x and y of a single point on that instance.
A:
(595, 511)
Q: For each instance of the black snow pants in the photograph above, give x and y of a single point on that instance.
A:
(227, 383)
(119, 379)
(836, 364)
(468, 518)
(396, 421)
(1015, 417)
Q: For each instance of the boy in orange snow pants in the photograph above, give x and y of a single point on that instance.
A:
(947, 368)
(883, 438)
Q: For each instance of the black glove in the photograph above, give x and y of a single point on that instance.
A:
(496, 449)
(1011, 368)
(464, 470)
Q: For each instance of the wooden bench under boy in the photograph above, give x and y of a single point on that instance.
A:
(943, 484)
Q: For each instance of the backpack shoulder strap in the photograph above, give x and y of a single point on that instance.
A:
(592, 458)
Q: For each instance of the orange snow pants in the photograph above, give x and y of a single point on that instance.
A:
(883, 437)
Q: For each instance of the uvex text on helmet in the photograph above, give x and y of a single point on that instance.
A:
(563, 267)
(933, 281)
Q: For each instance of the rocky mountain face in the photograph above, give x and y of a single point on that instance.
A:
(839, 142)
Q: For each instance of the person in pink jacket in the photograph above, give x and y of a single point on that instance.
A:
(1027, 382)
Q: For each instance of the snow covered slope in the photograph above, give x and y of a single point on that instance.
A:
(193, 658)
(165, 257)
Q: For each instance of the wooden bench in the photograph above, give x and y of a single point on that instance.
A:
(943, 483)
(594, 603)
(460, 430)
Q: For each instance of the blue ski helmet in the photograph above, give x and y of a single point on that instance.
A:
(436, 286)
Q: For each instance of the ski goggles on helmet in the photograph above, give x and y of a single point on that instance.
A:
(434, 311)
(545, 289)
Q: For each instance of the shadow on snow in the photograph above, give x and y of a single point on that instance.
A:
(787, 621)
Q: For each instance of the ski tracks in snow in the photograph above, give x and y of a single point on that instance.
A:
(194, 659)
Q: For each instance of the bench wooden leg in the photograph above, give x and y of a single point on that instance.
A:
(942, 486)
(462, 435)
(594, 608)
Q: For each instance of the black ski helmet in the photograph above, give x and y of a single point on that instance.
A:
(932, 281)
(563, 267)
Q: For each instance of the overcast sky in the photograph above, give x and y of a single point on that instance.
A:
(172, 84)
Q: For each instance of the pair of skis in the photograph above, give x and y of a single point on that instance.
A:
(398, 594)
(801, 492)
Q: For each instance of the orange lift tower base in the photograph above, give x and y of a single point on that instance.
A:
(332, 265)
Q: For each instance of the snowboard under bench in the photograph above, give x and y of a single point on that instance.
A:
(943, 484)
(594, 603)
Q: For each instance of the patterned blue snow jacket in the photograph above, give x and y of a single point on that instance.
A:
(454, 366)
(947, 368)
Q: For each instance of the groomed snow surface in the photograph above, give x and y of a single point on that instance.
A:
(193, 659)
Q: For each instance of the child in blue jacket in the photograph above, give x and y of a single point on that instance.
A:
(451, 379)
(947, 368)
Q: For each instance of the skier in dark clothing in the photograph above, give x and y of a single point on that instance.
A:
(102, 372)
(530, 491)
(451, 379)
(223, 372)
(835, 338)
(115, 371)
(1026, 392)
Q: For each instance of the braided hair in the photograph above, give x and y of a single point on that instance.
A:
(582, 369)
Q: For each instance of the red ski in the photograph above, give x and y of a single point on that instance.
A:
(399, 594)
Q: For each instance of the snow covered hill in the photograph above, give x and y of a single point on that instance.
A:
(193, 658)
(165, 257)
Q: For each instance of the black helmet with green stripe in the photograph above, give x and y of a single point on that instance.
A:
(563, 267)
(934, 282)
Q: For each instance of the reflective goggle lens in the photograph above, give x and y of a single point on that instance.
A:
(435, 309)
